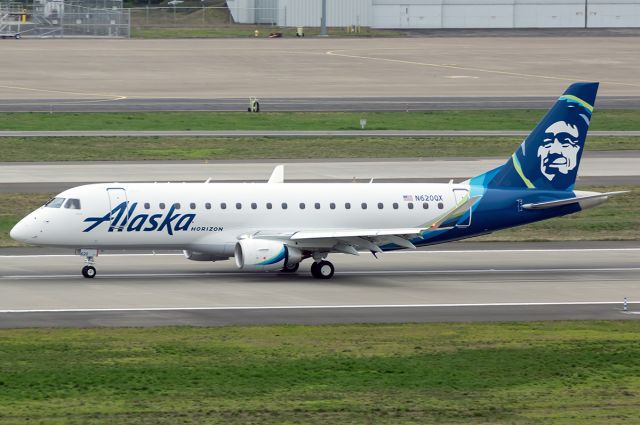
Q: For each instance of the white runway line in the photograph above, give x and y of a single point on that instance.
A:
(353, 273)
(317, 307)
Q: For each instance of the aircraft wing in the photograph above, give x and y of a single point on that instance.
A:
(349, 241)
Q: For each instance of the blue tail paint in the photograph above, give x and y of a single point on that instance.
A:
(549, 157)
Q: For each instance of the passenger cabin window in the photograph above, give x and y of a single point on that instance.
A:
(395, 205)
(207, 205)
(302, 205)
(147, 206)
(238, 206)
(425, 205)
(410, 205)
(54, 203)
(332, 205)
(161, 205)
(364, 205)
(440, 205)
(380, 205)
(192, 205)
(269, 205)
(347, 206)
(223, 205)
(317, 205)
(176, 206)
(254, 205)
(284, 206)
(72, 204)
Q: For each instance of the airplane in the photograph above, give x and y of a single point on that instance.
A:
(274, 226)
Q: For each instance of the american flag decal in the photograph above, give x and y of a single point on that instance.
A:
(407, 198)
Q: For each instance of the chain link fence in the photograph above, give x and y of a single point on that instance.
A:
(47, 18)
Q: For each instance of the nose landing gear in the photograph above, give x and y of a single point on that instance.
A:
(88, 271)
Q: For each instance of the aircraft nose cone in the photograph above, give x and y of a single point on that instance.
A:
(23, 231)
(17, 233)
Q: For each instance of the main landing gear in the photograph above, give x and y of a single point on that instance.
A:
(322, 270)
(88, 271)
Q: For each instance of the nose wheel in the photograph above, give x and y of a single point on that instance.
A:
(89, 272)
(322, 270)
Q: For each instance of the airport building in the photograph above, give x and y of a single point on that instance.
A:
(441, 13)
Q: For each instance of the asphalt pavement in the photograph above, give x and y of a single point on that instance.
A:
(464, 283)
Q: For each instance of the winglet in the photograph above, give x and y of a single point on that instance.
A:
(277, 176)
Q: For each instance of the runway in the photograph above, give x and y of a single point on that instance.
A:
(299, 104)
(595, 165)
(469, 282)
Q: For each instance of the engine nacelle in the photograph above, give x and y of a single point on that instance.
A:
(202, 256)
(265, 255)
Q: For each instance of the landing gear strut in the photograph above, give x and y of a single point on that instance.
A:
(88, 271)
(322, 270)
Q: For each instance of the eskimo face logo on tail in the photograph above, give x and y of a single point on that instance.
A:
(123, 219)
(558, 152)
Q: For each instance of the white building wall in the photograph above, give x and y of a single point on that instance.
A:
(477, 14)
(617, 13)
(340, 13)
(242, 11)
(449, 13)
(549, 14)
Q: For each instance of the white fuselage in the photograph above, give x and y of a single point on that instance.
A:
(212, 217)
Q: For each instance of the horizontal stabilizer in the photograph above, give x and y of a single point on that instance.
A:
(552, 204)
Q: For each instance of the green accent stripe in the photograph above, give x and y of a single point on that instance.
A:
(578, 100)
(516, 165)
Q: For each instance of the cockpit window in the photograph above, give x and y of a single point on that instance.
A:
(54, 203)
(72, 204)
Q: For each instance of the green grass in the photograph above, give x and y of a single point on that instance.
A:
(206, 148)
(510, 373)
(434, 120)
(617, 219)
(157, 31)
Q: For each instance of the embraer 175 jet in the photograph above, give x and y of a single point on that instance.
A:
(275, 225)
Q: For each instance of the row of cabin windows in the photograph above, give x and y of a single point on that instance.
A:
(301, 205)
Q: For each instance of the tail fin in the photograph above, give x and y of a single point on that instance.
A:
(550, 156)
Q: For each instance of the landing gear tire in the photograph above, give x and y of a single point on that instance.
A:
(322, 270)
(290, 268)
(89, 272)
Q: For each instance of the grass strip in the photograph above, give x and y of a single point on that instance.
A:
(506, 373)
(203, 148)
(157, 31)
(617, 219)
(513, 119)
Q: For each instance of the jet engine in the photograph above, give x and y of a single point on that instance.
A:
(202, 256)
(265, 255)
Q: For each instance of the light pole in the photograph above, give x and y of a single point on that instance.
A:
(323, 19)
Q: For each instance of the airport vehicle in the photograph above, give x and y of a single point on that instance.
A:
(273, 226)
